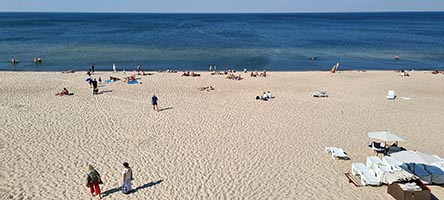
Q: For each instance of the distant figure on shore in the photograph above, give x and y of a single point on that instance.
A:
(38, 60)
(139, 67)
(396, 57)
(264, 73)
(63, 92)
(127, 174)
(14, 61)
(114, 68)
(154, 100)
(92, 181)
(92, 68)
(245, 70)
(100, 80)
(211, 68)
(335, 68)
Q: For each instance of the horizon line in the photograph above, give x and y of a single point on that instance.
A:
(255, 12)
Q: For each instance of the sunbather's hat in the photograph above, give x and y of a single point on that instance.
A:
(125, 164)
(89, 167)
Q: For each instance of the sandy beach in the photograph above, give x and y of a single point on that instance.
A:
(220, 144)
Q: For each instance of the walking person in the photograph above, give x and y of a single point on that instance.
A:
(139, 67)
(127, 175)
(94, 84)
(114, 68)
(92, 68)
(93, 180)
(154, 100)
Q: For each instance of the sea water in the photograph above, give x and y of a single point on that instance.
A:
(280, 42)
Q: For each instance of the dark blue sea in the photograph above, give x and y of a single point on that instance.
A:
(280, 42)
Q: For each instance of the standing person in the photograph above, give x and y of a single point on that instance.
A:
(92, 68)
(127, 175)
(139, 67)
(114, 68)
(211, 68)
(154, 100)
(100, 80)
(93, 180)
(95, 90)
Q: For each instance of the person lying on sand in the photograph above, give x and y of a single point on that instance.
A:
(112, 78)
(145, 73)
(206, 88)
(63, 92)
(234, 77)
(69, 71)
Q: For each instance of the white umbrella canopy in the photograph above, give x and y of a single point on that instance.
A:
(415, 157)
(386, 136)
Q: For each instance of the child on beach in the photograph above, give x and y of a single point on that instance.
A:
(93, 180)
(154, 102)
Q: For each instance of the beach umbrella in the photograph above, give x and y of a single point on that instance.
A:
(415, 157)
(386, 136)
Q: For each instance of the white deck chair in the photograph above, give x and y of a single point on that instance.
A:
(391, 95)
(367, 175)
(378, 166)
(319, 94)
(392, 162)
(337, 153)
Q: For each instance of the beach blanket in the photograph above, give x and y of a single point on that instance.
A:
(133, 82)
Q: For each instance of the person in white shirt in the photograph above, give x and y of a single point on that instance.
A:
(269, 95)
(127, 178)
(265, 97)
(114, 68)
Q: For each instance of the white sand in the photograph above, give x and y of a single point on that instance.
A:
(221, 144)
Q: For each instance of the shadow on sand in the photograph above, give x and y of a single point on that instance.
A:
(104, 91)
(163, 109)
(119, 189)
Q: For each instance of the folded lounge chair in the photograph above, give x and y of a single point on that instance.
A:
(319, 94)
(367, 175)
(391, 95)
(337, 153)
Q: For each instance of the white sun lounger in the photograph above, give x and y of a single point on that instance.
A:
(391, 95)
(392, 162)
(337, 153)
(367, 175)
(378, 166)
(319, 94)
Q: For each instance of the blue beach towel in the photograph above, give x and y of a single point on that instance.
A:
(133, 82)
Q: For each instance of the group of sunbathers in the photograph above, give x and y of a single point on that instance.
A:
(190, 73)
(206, 88)
(403, 73)
(437, 72)
(265, 97)
(256, 74)
(233, 76)
(126, 79)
